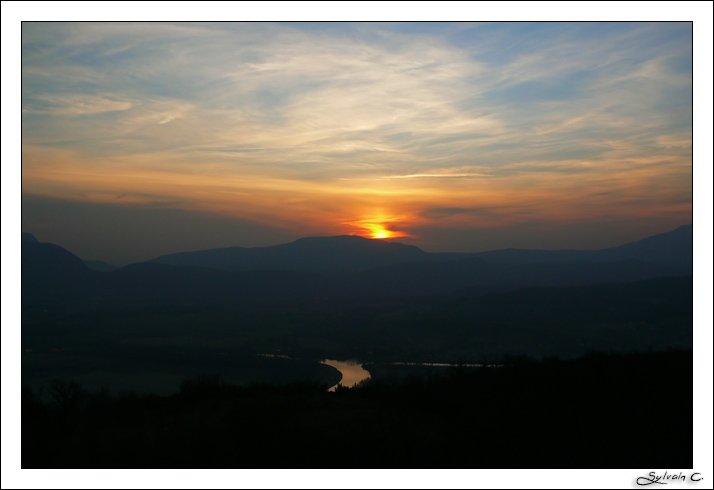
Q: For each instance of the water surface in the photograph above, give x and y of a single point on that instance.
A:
(352, 372)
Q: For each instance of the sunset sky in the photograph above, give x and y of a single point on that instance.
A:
(140, 139)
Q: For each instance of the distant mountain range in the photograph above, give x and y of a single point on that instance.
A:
(337, 254)
(675, 246)
(342, 267)
(344, 254)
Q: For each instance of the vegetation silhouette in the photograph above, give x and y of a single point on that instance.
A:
(598, 411)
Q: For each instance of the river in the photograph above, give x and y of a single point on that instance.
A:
(352, 372)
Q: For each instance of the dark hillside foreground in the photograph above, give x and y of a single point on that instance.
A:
(104, 353)
(599, 411)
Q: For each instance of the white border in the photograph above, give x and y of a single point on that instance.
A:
(15, 12)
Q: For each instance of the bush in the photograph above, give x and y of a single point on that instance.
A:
(201, 385)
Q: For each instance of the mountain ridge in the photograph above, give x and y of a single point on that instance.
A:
(351, 253)
(337, 254)
(315, 268)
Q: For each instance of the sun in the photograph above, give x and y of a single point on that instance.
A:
(379, 231)
(379, 226)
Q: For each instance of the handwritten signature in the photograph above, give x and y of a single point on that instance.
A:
(653, 478)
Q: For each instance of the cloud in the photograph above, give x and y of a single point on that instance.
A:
(301, 126)
(440, 175)
(76, 105)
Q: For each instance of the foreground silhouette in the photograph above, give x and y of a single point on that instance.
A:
(144, 327)
(599, 411)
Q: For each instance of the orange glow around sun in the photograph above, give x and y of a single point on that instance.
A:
(379, 231)
(378, 228)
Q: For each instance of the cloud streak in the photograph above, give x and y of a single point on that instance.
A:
(307, 128)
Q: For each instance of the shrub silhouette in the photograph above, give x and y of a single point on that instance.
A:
(67, 395)
(564, 413)
(201, 385)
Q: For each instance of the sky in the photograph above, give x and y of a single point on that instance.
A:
(140, 139)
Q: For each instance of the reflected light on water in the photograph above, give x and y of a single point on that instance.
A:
(352, 372)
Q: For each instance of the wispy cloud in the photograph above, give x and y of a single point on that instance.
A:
(243, 118)
(75, 105)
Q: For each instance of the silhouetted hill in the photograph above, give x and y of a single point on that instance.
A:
(338, 254)
(150, 280)
(425, 278)
(99, 265)
(650, 314)
(308, 269)
(649, 300)
(50, 262)
(476, 276)
(673, 246)
(347, 254)
(50, 272)
(28, 238)
(525, 256)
